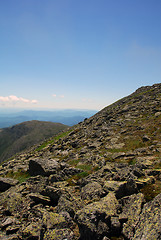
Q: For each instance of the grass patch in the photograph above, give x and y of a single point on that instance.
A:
(133, 144)
(157, 165)
(21, 176)
(72, 181)
(87, 171)
(46, 143)
(115, 150)
(150, 191)
(131, 161)
(73, 162)
(84, 167)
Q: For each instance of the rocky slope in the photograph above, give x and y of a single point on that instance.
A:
(24, 135)
(100, 180)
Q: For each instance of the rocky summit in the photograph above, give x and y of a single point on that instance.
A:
(100, 179)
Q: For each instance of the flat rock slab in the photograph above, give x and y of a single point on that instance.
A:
(6, 183)
(38, 198)
(43, 166)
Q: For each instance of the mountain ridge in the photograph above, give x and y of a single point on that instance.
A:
(67, 117)
(101, 179)
(22, 136)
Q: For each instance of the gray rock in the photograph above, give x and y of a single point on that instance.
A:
(132, 207)
(32, 231)
(94, 219)
(38, 198)
(121, 189)
(149, 223)
(53, 193)
(6, 183)
(69, 204)
(115, 226)
(70, 171)
(53, 220)
(7, 222)
(59, 234)
(92, 190)
(43, 166)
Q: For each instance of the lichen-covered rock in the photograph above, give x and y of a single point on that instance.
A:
(149, 223)
(132, 207)
(7, 222)
(94, 219)
(59, 234)
(38, 198)
(93, 191)
(32, 231)
(69, 204)
(121, 189)
(53, 220)
(6, 183)
(52, 192)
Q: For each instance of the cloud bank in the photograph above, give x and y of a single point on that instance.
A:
(15, 99)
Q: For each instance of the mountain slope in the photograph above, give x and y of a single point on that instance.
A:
(100, 180)
(22, 136)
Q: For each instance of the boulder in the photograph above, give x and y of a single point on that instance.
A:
(43, 166)
(52, 192)
(94, 219)
(68, 204)
(6, 183)
(38, 198)
(132, 207)
(59, 234)
(121, 189)
(149, 223)
(53, 220)
(70, 171)
(32, 231)
(7, 222)
(91, 191)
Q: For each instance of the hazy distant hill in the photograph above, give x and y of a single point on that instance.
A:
(24, 135)
(67, 117)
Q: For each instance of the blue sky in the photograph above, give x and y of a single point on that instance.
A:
(77, 53)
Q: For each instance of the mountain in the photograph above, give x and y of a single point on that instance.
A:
(67, 117)
(100, 179)
(24, 135)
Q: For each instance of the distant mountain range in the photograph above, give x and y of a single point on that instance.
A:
(67, 117)
(24, 135)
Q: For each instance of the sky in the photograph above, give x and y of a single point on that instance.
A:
(77, 54)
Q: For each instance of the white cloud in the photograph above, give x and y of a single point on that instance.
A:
(14, 99)
(34, 101)
(4, 99)
(60, 96)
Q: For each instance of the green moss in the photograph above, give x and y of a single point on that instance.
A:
(131, 161)
(20, 175)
